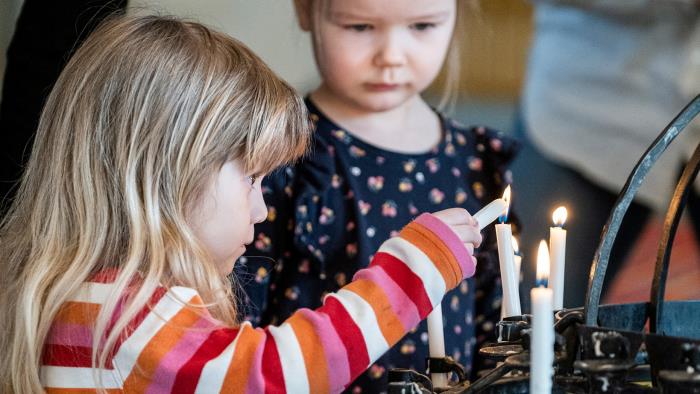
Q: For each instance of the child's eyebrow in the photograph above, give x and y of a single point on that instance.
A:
(433, 16)
(344, 15)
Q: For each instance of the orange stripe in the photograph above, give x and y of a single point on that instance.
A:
(248, 341)
(167, 337)
(435, 249)
(389, 322)
(80, 313)
(314, 354)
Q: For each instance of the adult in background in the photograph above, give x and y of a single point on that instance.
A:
(604, 78)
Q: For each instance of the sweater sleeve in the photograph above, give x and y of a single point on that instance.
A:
(176, 347)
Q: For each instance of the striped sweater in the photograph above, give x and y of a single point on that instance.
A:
(172, 348)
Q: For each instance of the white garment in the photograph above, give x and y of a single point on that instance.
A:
(603, 81)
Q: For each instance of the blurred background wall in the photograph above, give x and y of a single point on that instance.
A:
(493, 52)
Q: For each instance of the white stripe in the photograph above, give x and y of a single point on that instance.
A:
(214, 372)
(168, 306)
(76, 378)
(363, 315)
(92, 292)
(420, 264)
(296, 379)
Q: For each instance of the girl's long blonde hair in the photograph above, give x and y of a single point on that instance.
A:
(146, 111)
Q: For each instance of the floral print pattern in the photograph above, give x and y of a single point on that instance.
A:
(329, 213)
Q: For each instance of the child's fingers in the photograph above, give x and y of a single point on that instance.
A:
(455, 216)
(468, 234)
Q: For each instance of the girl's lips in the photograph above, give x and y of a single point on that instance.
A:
(382, 87)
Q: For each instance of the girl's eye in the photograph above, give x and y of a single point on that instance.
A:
(421, 26)
(359, 27)
(252, 179)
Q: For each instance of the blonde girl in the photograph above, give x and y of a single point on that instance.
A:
(141, 192)
(381, 155)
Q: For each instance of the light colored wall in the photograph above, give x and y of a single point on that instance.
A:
(493, 50)
(268, 27)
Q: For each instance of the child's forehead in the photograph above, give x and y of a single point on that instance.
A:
(389, 9)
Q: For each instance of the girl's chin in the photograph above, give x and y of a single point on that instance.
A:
(227, 266)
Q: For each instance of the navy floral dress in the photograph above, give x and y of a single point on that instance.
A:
(329, 214)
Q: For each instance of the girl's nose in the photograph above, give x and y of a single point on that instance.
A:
(258, 209)
(390, 53)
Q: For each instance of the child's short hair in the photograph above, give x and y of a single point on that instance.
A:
(146, 111)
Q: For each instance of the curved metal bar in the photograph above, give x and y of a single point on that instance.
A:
(663, 257)
(611, 228)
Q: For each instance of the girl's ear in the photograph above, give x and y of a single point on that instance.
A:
(303, 11)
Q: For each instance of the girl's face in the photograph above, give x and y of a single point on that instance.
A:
(375, 55)
(224, 216)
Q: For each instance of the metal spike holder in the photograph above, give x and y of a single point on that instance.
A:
(601, 348)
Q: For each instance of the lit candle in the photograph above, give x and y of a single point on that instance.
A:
(542, 336)
(557, 254)
(436, 335)
(509, 282)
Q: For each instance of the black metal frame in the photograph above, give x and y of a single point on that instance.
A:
(603, 348)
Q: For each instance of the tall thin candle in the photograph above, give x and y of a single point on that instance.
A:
(436, 335)
(509, 282)
(557, 254)
(542, 340)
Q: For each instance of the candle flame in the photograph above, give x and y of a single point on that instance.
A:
(542, 263)
(516, 248)
(559, 216)
(506, 197)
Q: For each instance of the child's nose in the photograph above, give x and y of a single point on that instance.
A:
(390, 53)
(258, 211)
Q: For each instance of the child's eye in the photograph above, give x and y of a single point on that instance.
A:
(252, 179)
(360, 27)
(421, 26)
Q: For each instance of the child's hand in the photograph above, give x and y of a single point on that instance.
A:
(464, 225)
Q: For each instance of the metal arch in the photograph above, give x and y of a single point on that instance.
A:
(611, 228)
(663, 257)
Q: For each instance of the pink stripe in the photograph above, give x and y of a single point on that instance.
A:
(256, 381)
(445, 233)
(70, 335)
(334, 349)
(404, 307)
(189, 343)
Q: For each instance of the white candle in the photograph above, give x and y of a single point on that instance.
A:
(542, 339)
(509, 282)
(436, 335)
(517, 260)
(557, 254)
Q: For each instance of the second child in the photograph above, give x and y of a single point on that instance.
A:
(380, 156)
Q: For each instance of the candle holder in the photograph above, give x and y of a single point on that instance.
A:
(648, 347)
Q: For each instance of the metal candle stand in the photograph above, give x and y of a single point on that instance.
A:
(601, 348)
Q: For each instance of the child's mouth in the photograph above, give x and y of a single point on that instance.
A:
(382, 87)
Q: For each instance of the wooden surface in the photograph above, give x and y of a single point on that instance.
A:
(494, 47)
